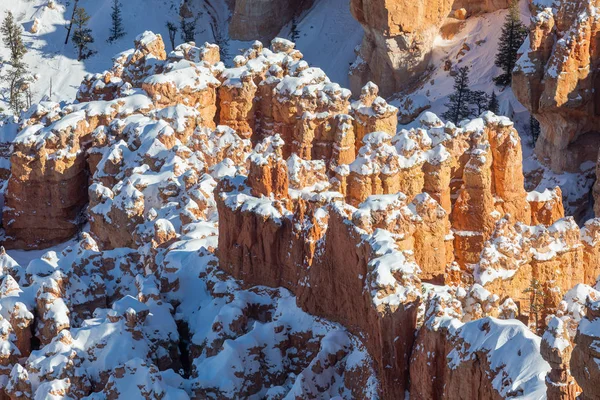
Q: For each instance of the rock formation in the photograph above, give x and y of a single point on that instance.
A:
(584, 359)
(486, 358)
(305, 249)
(546, 207)
(556, 80)
(399, 37)
(252, 19)
(556, 348)
(398, 40)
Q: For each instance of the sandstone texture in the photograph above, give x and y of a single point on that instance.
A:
(262, 20)
(399, 36)
(250, 231)
(556, 80)
(584, 359)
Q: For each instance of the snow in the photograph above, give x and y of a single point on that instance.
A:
(512, 352)
(328, 36)
(480, 34)
(539, 197)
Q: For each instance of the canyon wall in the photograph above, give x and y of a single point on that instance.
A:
(399, 36)
(262, 19)
(556, 80)
(304, 192)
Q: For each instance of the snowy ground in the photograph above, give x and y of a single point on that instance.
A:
(328, 36)
(475, 46)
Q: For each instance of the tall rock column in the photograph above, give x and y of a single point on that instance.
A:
(236, 103)
(507, 170)
(590, 239)
(373, 114)
(268, 174)
(585, 359)
(472, 219)
(556, 350)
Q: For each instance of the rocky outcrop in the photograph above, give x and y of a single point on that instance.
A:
(556, 80)
(47, 163)
(556, 349)
(284, 255)
(585, 356)
(399, 36)
(381, 309)
(486, 358)
(398, 40)
(546, 207)
(473, 7)
(493, 186)
(373, 114)
(520, 260)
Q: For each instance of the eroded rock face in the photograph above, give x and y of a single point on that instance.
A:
(556, 349)
(470, 360)
(584, 359)
(556, 80)
(310, 215)
(398, 40)
(546, 207)
(399, 37)
(472, 7)
(262, 20)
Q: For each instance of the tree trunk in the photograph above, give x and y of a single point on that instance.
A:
(71, 22)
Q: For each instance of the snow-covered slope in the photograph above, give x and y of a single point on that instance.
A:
(472, 43)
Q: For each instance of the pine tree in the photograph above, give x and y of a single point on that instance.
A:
(172, 28)
(480, 100)
(188, 30)
(12, 38)
(458, 102)
(17, 87)
(493, 105)
(82, 36)
(534, 128)
(294, 33)
(222, 41)
(536, 304)
(116, 29)
(513, 35)
(68, 28)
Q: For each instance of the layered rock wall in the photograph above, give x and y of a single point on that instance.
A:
(312, 193)
(259, 19)
(399, 36)
(398, 40)
(556, 80)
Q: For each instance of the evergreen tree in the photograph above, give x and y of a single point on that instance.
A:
(12, 38)
(222, 41)
(82, 36)
(17, 87)
(188, 30)
(513, 35)
(68, 28)
(116, 28)
(493, 105)
(534, 128)
(172, 28)
(294, 33)
(480, 100)
(458, 102)
(536, 304)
